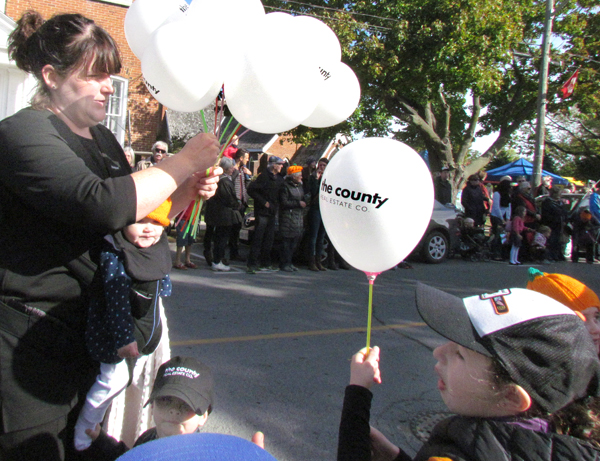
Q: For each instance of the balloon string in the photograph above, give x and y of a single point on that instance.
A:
(204, 124)
(225, 130)
(371, 276)
(370, 315)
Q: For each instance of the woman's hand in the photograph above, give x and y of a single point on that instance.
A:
(203, 150)
(206, 184)
(128, 352)
(364, 369)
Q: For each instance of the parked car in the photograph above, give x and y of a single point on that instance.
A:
(439, 240)
(441, 237)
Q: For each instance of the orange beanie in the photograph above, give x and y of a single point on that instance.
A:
(564, 289)
(161, 214)
(294, 169)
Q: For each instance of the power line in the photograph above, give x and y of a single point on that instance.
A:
(356, 23)
(340, 10)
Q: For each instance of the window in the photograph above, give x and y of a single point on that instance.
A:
(116, 111)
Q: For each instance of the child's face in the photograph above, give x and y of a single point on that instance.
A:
(144, 233)
(173, 416)
(466, 381)
(592, 323)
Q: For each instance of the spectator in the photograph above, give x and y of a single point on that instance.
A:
(55, 184)
(545, 187)
(265, 192)
(241, 178)
(124, 314)
(182, 400)
(538, 249)
(573, 294)
(222, 211)
(585, 228)
(309, 167)
(474, 200)
(184, 239)
(230, 151)
(443, 187)
(517, 227)
(523, 197)
(291, 225)
(506, 405)
(500, 215)
(554, 216)
(160, 150)
(316, 229)
(129, 155)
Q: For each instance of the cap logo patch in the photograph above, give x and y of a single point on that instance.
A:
(504, 292)
(181, 371)
(499, 304)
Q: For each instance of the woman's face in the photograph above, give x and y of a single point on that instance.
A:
(592, 323)
(80, 98)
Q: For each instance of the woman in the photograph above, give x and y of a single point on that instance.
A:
(65, 184)
(500, 215)
(222, 211)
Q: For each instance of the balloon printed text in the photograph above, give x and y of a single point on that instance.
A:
(341, 203)
(324, 73)
(353, 195)
(151, 87)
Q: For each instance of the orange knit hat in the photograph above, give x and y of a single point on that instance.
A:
(161, 214)
(564, 289)
(294, 169)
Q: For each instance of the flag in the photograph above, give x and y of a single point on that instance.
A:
(567, 88)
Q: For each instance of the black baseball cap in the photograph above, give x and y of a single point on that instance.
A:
(542, 344)
(185, 378)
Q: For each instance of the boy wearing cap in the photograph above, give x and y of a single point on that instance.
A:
(124, 311)
(518, 371)
(182, 399)
(443, 187)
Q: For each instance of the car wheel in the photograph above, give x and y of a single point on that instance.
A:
(435, 247)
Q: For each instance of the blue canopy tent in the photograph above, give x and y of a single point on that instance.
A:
(521, 167)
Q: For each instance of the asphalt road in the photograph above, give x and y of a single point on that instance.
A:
(280, 343)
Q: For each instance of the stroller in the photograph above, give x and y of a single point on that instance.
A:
(474, 245)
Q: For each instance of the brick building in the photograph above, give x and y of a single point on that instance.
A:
(133, 114)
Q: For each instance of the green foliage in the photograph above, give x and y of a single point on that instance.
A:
(445, 70)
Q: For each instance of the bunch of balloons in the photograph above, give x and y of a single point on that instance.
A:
(278, 71)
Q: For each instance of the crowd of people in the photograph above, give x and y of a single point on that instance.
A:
(523, 225)
(81, 305)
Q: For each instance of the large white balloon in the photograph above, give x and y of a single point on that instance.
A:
(263, 91)
(376, 199)
(180, 69)
(339, 96)
(227, 23)
(145, 16)
(320, 40)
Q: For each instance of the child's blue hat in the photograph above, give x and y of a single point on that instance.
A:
(198, 447)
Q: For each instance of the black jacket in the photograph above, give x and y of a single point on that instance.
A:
(460, 438)
(223, 208)
(291, 223)
(265, 188)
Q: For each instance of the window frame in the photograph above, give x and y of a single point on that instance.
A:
(117, 121)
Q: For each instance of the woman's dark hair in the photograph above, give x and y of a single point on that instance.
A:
(580, 418)
(67, 42)
(240, 153)
(504, 189)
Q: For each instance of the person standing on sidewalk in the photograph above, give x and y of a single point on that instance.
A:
(316, 229)
(265, 192)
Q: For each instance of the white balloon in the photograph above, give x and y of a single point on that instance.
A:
(339, 96)
(321, 40)
(180, 70)
(263, 93)
(145, 16)
(227, 22)
(376, 199)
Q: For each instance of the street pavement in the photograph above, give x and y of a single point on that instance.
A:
(280, 346)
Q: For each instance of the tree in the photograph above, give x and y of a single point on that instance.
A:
(447, 71)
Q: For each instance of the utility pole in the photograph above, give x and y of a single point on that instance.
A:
(540, 131)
